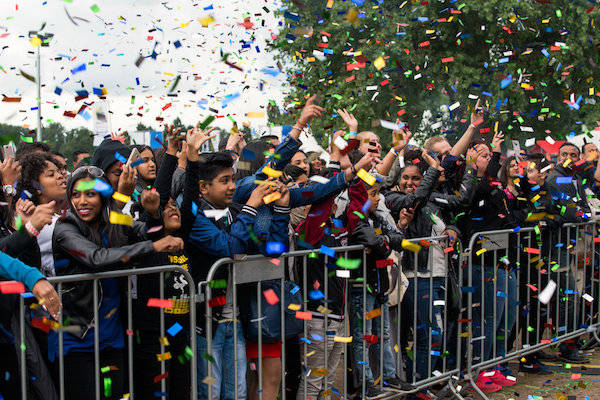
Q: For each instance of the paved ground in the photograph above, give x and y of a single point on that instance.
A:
(569, 382)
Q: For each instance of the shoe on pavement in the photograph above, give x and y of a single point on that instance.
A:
(574, 357)
(485, 384)
(374, 392)
(535, 368)
(499, 379)
(543, 356)
(397, 383)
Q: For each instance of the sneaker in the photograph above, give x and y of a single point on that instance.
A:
(397, 383)
(374, 392)
(535, 368)
(486, 385)
(574, 357)
(499, 379)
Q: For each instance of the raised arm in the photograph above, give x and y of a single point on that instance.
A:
(463, 143)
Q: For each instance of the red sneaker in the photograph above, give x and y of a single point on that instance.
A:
(485, 384)
(502, 380)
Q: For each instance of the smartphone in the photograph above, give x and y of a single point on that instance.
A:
(134, 156)
(8, 150)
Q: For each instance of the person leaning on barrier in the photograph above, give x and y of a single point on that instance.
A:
(86, 242)
(158, 205)
(489, 211)
(568, 193)
(363, 223)
(221, 228)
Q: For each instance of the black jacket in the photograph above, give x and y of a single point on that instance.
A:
(569, 199)
(85, 256)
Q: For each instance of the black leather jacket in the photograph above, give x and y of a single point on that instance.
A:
(84, 256)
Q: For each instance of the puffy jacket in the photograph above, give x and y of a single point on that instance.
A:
(396, 201)
(81, 255)
(570, 199)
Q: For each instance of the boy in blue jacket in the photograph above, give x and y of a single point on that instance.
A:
(220, 228)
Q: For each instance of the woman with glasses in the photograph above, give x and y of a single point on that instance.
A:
(85, 241)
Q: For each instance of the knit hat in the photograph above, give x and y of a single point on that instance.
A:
(104, 155)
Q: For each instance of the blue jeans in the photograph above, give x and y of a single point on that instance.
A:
(372, 327)
(425, 325)
(488, 312)
(509, 313)
(223, 366)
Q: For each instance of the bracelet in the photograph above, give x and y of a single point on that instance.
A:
(352, 133)
(353, 169)
(31, 230)
(298, 128)
(393, 150)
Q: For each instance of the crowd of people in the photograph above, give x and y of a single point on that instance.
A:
(131, 206)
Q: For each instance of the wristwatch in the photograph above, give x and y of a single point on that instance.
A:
(9, 190)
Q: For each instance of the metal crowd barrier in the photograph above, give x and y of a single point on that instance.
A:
(430, 304)
(547, 272)
(258, 269)
(58, 282)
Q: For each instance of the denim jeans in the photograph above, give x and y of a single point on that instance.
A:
(372, 327)
(316, 384)
(486, 313)
(509, 312)
(223, 366)
(426, 325)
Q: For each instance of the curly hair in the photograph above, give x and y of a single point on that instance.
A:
(32, 167)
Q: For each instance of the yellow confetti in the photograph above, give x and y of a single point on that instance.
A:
(341, 339)
(206, 21)
(120, 219)
(406, 245)
(163, 340)
(329, 3)
(365, 176)
(379, 63)
(121, 197)
(256, 114)
(271, 197)
(319, 372)
(164, 356)
(480, 251)
(209, 380)
(294, 307)
(272, 172)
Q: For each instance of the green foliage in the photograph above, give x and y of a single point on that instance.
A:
(488, 41)
(66, 142)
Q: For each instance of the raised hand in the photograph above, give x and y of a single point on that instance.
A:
(150, 200)
(42, 215)
(367, 162)
(10, 171)
(405, 217)
(195, 138)
(172, 139)
(310, 111)
(349, 119)
(401, 138)
(127, 180)
(433, 162)
(477, 113)
(497, 141)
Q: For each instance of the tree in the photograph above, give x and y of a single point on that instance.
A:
(533, 64)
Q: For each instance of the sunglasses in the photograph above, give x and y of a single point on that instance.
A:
(91, 170)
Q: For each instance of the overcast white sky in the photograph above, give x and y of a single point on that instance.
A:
(114, 38)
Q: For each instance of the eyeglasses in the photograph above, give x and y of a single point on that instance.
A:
(92, 170)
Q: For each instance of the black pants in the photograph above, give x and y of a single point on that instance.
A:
(146, 367)
(79, 375)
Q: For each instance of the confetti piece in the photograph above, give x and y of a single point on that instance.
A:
(120, 219)
(164, 356)
(305, 315)
(366, 177)
(373, 314)
(546, 294)
(270, 172)
(341, 339)
(174, 329)
(407, 245)
(271, 297)
(116, 195)
(160, 303)
(12, 287)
